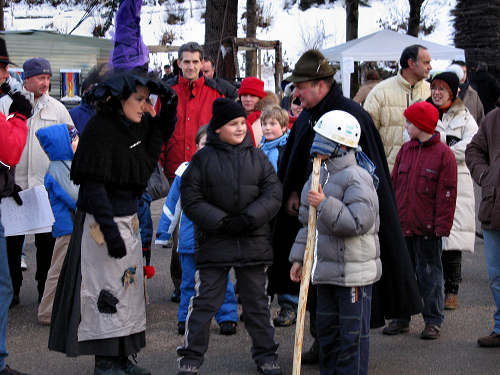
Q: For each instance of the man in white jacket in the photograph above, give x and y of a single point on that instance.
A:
(34, 163)
(387, 101)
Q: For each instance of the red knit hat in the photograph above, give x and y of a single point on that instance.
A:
(423, 115)
(252, 86)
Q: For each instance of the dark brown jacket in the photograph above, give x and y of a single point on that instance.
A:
(481, 156)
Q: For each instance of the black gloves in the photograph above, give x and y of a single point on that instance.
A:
(116, 249)
(236, 224)
(21, 105)
(5, 88)
(15, 195)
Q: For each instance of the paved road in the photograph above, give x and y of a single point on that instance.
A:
(455, 353)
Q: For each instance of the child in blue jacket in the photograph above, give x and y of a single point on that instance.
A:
(59, 142)
(227, 316)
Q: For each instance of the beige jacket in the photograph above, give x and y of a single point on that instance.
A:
(473, 104)
(386, 104)
(34, 161)
(458, 122)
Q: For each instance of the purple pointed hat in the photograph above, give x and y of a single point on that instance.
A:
(129, 51)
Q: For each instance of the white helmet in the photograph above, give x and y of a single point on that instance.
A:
(339, 126)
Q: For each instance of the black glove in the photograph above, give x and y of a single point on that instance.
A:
(237, 224)
(5, 88)
(21, 105)
(168, 99)
(15, 195)
(117, 249)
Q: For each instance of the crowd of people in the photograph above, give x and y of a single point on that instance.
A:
(405, 169)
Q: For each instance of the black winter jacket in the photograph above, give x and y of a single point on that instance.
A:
(226, 180)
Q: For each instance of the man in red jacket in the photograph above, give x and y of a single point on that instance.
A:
(425, 183)
(194, 109)
(13, 133)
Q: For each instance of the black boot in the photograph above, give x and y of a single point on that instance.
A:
(311, 357)
(131, 368)
(108, 366)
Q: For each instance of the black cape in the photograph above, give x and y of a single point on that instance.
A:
(396, 293)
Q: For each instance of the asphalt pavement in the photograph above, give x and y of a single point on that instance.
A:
(455, 353)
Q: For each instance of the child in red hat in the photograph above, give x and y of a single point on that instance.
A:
(425, 182)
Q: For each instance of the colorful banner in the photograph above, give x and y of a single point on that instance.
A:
(70, 84)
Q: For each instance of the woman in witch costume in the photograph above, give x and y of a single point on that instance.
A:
(100, 297)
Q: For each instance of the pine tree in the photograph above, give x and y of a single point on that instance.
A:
(477, 32)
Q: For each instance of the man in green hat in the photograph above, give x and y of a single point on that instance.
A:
(318, 93)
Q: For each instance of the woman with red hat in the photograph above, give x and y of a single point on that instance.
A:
(250, 93)
(457, 127)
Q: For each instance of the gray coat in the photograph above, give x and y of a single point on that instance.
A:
(347, 250)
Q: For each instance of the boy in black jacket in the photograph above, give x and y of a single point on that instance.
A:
(230, 191)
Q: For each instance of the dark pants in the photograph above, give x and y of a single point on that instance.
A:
(210, 289)
(452, 270)
(14, 251)
(426, 254)
(343, 329)
(175, 263)
(44, 243)
(312, 299)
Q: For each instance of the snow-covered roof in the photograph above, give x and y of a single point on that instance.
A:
(387, 45)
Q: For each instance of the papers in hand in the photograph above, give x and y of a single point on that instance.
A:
(33, 216)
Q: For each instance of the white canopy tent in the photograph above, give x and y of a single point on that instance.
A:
(383, 45)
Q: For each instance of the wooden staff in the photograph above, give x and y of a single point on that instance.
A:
(306, 272)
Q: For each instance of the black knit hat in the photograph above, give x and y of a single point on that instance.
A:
(311, 66)
(223, 111)
(451, 79)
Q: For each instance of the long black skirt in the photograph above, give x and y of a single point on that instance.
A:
(66, 310)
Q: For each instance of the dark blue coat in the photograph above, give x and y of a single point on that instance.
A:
(81, 115)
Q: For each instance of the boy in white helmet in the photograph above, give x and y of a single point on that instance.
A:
(346, 260)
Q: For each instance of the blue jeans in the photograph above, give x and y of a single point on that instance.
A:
(228, 312)
(343, 329)
(5, 295)
(426, 252)
(492, 255)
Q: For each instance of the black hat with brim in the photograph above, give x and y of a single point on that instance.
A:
(4, 56)
(124, 83)
(311, 66)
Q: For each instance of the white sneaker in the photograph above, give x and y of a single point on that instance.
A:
(24, 266)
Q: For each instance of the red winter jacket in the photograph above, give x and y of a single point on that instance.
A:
(13, 134)
(193, 111)
(425, 182)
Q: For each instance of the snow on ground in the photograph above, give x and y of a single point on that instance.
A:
(322, 26)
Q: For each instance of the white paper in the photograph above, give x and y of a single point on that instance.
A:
(33, 216)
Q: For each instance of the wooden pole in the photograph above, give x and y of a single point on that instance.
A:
(306, 273)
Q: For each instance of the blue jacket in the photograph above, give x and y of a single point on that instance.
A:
(62, 192)
(274, 149)
(170, 216)
(81, 115)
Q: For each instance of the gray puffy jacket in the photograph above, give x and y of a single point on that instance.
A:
(347, 250)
